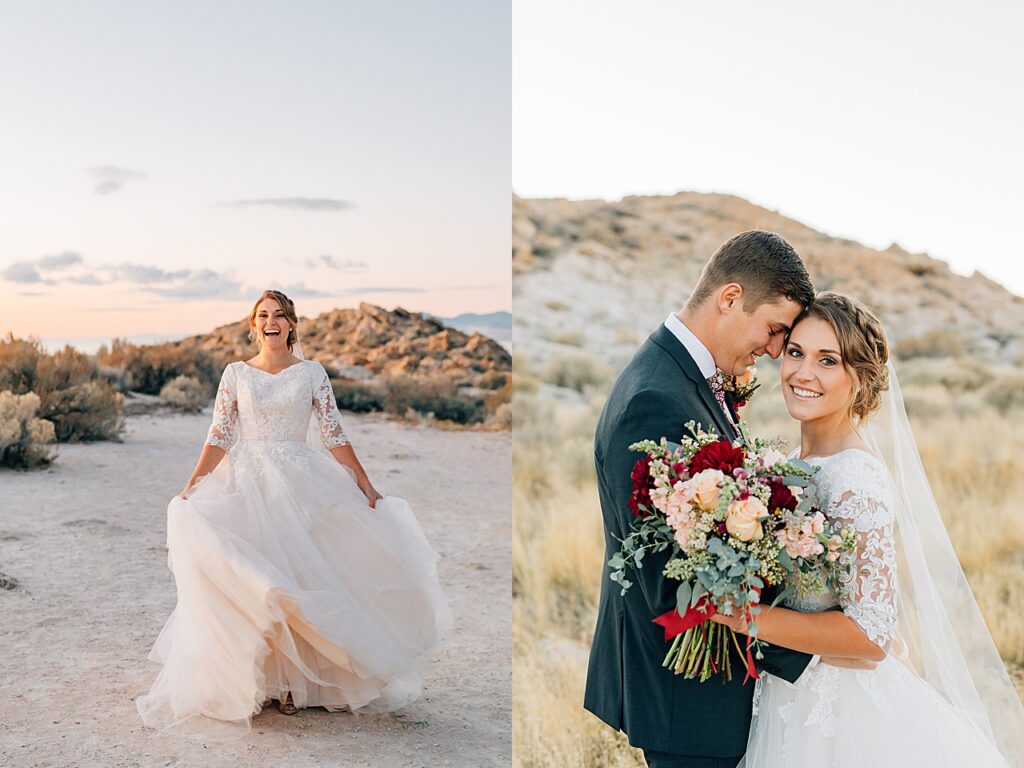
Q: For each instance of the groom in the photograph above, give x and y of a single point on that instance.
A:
(749, 295)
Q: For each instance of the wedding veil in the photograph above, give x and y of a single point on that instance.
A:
(941, 631)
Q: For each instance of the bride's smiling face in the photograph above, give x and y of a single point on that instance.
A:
(271, 324)
(815, 381)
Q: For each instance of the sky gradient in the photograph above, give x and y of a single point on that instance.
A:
(880, 122)
(164, 162)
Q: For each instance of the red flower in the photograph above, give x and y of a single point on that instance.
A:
(781, 497)
(721, 455)
(641, 494)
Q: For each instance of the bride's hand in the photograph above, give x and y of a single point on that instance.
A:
(370, 492)
(736, 622)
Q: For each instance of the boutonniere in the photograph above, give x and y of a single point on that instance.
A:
(740, 388)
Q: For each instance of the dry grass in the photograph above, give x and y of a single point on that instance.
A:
(974, 456)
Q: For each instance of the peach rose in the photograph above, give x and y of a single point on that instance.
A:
(746, 377)
(743, 518)
(705, 487)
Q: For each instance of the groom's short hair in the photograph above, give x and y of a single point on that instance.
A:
(763, 263)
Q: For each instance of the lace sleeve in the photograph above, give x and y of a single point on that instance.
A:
(225, 412)
(869, 596)
(326, 409)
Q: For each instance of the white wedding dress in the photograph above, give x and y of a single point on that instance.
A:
(887, 717)
(287, 580)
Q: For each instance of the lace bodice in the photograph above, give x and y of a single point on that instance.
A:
(253, 405)
(853, 486)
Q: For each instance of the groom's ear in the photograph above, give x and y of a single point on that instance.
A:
(730, 297)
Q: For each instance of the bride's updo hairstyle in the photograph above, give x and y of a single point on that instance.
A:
(289, 312)
(862, 344)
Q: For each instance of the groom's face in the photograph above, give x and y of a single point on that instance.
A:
(752, 334)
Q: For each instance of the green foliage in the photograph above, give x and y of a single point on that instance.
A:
(437, 397)
(358, 397)
(72, 394)
(148, 368)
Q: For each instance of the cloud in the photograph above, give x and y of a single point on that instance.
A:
(300, 290)
(378, 289)
(295, 203)
(86, 279)
(202, 284)
(327, 260)
(23, 272)
(60, 260)
(139, 273)
(110, 178)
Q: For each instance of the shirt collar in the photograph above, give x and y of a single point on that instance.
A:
(699, 353)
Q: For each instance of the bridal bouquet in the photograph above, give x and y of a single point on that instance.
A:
(737, 518)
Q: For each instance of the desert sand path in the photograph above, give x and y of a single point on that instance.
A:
(85, 538)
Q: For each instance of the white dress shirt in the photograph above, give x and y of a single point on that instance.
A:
(693, 345)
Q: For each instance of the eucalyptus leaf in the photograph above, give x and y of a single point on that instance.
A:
(785, 560)
(801, 465)
(698, 592)
(683, 594)
(796, 480)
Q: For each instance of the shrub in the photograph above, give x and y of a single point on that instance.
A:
(501, 418)
(435, 396)
(934, 343)
(80, 404)
(498, 405)
(399, 395)
(24, 438)
(569, 338)
(1006, 392)
(492, 379)
(89, 411)
(186, 393)
(358, 396)
(148, 368)
(576, 372)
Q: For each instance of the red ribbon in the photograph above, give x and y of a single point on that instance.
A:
(752, 673)
(675, 624)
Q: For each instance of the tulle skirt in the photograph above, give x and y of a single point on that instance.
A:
(846, 718)
(289, 582)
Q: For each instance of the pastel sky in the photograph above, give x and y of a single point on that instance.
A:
(163, 162)
(878, 121)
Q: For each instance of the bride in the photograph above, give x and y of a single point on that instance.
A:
(908, 674)
(296, 580)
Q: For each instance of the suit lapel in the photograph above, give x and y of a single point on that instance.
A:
(664, 338)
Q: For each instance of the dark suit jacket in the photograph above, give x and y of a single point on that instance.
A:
(656, 395)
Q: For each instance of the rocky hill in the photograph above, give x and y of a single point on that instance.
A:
(368, 341)
(600, 275)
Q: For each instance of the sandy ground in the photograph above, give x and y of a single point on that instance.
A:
(85, 538)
